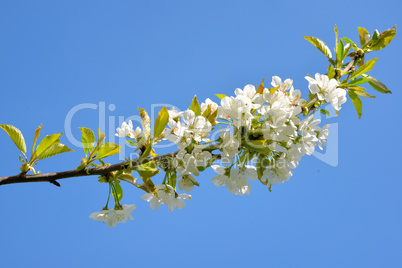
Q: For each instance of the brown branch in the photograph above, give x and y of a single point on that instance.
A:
(52, 177)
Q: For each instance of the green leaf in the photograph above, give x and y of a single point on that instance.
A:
(207, 112)
(377, 85)
(363, 36)
(326, 112)
(348, 41)
(161, 122)
(357, 88)
(375, 37)
(212, 117)
(336, 39)
(37, 131)
(339, 54)
(320, 45)
(99, 144)
(146, 123)
(346, 50)
(117, 191)
(108, 149)
(384, 39)
(128, 178)
(55, 149)
(145, 154)
(331, 72)
(273, 89)
(260, 89)
(357, 102)
(363, 93)
(220, 96)
(131, 143)
(88, 139)
(172, 180)
(364, 68)
(47, 142)
(148, 169)
(358, 81)
(195, 106)
(258, 146)
(148, 186)
(16, 136)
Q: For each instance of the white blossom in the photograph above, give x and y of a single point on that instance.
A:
(230, 145)
(114, 216)
(327, 89)
(167, 195)
(154, 201)
(120, 215)
(187, 182)
(236, 182)
(126, 130)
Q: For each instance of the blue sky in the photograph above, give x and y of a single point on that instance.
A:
(55, 55)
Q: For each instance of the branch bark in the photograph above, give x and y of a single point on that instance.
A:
(52, 177)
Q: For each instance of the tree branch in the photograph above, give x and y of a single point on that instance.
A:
(52, 177)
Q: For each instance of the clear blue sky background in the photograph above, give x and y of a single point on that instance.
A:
(55, 55)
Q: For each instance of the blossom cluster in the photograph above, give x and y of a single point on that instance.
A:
(114, 216)
(262, 137)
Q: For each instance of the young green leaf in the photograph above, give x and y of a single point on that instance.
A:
(99, 144)
(108, 149)
(220, 96)
(339, 53)
(357, 102)
(331, 72)
(377, 85)
(346, 50)
(37, 131)
(148, 186)
(375, 37)
(364, 36)
(326, 112)
(260, 88)
(47, 142)
(348, 41)
(147, 151)
(363, 93)
(88, 139)
(117, 191)
(273, 89)
(146, 123)
(384, 39)
(364, 68)
(357, 88)
(336, 39)
(195, 106)
(320, 45)
(16, 136)
(128, 178)
(148, 169)
(207, 112)
(212, 117)
(258, 146)
(172, 180)
(55, 149)
(161, 122)
(358, 81)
